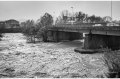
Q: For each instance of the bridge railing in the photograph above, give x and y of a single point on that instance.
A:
(77, 27)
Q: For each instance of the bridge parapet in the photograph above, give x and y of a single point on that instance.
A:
(76, 26)
(104, 30)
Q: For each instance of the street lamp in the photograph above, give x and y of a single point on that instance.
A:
(72, 14)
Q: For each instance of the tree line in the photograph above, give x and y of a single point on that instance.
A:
(82, 17)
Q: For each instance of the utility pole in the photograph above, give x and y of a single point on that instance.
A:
(111, 10)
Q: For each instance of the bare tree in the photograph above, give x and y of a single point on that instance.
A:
(44, 22)
(63, 18)
(107, 19)
(80, 16)
(28, 29)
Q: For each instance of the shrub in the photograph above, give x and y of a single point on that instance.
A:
(37, 30)
(112, 61)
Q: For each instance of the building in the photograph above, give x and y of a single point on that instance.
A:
(11, 24)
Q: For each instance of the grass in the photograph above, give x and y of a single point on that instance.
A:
(112, 61)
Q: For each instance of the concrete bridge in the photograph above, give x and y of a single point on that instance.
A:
(96, 37)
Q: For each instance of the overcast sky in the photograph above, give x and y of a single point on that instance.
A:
(23, 10)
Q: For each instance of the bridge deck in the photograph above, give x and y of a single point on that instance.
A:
(104, 30)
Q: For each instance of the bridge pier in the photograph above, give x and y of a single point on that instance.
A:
(96, 41)
(53, 36)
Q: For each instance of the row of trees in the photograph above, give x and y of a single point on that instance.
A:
(81, 17)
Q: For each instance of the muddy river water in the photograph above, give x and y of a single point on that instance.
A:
(19, 59)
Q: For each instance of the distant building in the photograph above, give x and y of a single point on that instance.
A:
(2, 23)
(11, 24)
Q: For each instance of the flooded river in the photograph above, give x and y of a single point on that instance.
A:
(19, 59)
